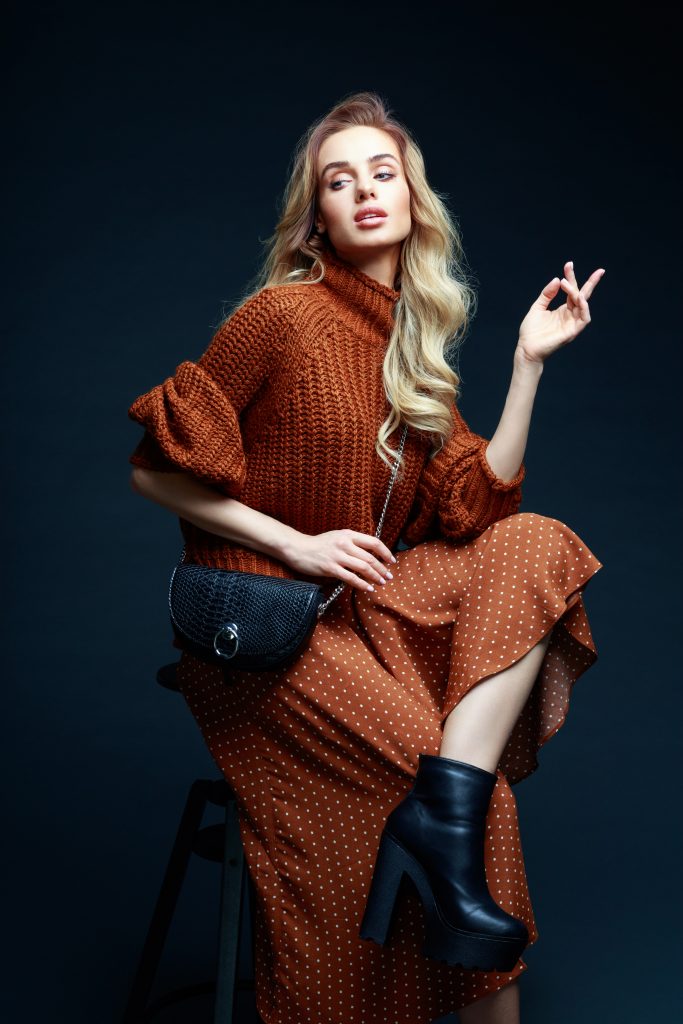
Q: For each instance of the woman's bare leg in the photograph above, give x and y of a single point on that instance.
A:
(478, 728)
(501, 1007)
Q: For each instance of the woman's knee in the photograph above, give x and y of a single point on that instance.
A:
(534, 524)
(532, 536)
(530, 520)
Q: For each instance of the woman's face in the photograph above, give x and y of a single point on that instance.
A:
(371, 176)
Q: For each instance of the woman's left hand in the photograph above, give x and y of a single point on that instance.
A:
(544, 330)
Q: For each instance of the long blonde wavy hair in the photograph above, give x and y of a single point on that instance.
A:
(437, 301)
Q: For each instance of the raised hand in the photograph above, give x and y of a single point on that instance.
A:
(544, 330)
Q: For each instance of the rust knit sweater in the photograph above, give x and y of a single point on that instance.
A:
(282, 411)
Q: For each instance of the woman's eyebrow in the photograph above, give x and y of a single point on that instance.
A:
(345, 163)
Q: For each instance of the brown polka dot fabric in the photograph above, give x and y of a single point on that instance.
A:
(319, 753)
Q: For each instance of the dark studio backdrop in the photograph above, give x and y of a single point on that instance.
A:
(148, 149)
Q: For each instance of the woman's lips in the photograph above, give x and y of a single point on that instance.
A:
(371, 222)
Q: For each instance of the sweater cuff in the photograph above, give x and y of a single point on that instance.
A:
(148, 455)
(473, 497)
(487, 496)
(195, 427)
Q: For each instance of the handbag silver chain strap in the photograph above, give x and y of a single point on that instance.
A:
(335, 593)
(322, 607)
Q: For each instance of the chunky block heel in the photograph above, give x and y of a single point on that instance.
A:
(435, 839)
(383, 898)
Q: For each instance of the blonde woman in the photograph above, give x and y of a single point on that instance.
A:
(373, 775)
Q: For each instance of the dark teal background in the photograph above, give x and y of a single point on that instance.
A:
(147, 148)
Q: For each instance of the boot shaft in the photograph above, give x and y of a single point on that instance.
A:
(444, 815)
(453, 790)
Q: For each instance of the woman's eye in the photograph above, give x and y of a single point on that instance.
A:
(340, 181)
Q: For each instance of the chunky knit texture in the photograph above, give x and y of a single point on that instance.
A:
(282, 411)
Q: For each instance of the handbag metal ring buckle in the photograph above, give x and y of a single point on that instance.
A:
(229, 631)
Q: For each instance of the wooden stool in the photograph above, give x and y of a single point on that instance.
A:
(219, 843)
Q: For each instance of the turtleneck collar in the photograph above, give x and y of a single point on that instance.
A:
(367, 302)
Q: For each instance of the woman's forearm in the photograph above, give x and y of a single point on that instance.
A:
(506, 448)
(206, 508)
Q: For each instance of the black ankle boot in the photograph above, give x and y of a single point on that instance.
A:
(435, 836)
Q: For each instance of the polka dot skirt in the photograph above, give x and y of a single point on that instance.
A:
(320, 752)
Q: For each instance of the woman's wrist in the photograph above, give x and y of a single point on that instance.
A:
(525, 368)
(281, 541)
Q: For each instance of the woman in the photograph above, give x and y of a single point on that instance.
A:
(432, 680)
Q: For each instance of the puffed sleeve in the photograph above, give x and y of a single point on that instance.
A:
(191, 419)
(458, 495)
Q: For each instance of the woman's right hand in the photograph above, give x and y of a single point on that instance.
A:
(353, 557)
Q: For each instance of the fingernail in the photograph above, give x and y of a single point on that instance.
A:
(390, 575)
(571, 264)
(371, 588)
(393, 559)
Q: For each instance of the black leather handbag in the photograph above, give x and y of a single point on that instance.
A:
(247, 620)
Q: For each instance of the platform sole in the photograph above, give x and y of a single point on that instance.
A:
(471, 950)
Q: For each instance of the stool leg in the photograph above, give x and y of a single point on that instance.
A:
(232, 888)
(166, 903)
